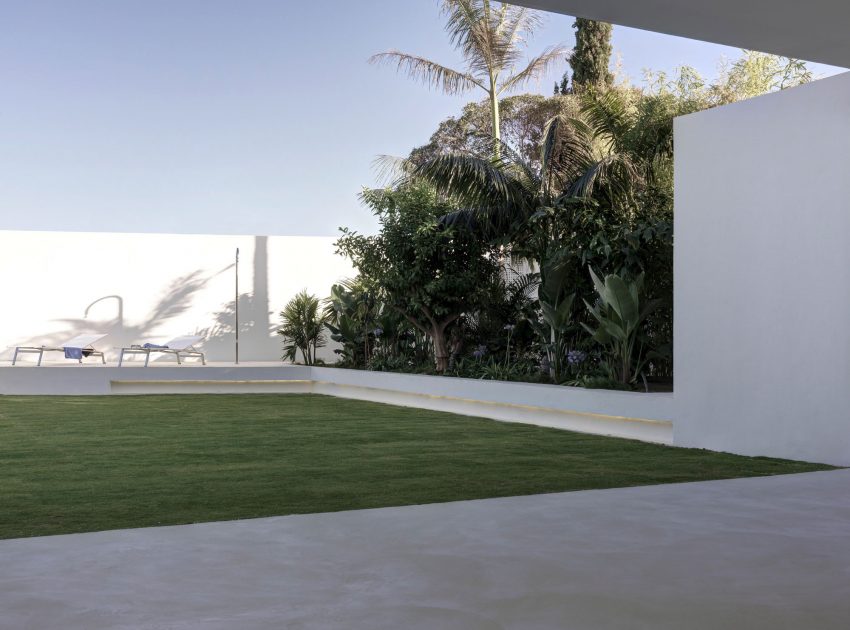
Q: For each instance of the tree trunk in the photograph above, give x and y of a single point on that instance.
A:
(441, 349)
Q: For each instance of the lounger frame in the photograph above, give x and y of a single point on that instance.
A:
(189, 351)
(88, 351)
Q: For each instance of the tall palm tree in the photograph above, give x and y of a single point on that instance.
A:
(491, 37)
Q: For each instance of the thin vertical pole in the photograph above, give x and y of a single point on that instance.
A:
(237, 305)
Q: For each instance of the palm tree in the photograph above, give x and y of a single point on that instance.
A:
(491, 37)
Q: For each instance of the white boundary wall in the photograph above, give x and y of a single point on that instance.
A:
(762, 294)
(153, 287)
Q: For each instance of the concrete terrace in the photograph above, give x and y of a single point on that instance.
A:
(747, 553)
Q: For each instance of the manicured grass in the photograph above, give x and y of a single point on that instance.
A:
(74, 464)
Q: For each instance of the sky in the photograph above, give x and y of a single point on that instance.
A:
(231, 116)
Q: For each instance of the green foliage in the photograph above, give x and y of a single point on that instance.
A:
(752, 74)
(591, 58)
(523, 123)
(619, 313)
(349, 312)
(556, 307)
(499, 327)
(428, 272)
(303, 328)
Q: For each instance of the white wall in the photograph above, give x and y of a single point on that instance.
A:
(762, 293)
(152, 287)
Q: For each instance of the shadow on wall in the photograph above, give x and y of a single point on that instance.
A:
(176, 300)
(257, 335)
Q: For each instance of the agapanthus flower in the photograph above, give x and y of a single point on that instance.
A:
(576, 357)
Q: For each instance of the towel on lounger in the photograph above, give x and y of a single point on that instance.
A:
(153, 346)
(73, 353)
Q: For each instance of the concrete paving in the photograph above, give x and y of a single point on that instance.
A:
(748, 553)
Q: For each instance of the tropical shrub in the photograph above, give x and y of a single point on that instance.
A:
(619, 313)
(556, 306)
(303, 328)
(347, 313)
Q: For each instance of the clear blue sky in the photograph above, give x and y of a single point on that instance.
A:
(228, 116)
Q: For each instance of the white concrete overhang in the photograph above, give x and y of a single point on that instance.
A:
(813, 30)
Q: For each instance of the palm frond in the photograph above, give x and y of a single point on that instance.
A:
(524, 286)
(495, 199)
(390, 169)
(608, 116)
(536, 68)
(617, 171)
(462, 16)
(431, 73)
(511, 33)
(491, 40)
(475, 181)
(565, 154)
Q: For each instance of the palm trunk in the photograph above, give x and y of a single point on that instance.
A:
(495, 118)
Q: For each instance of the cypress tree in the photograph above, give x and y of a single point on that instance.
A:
(591, 58)
(564, 88)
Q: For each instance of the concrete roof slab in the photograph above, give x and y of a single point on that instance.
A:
(814, 31)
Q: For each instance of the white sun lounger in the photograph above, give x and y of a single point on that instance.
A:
(84, 342)
(180, 347)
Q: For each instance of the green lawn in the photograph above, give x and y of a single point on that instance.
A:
(74, 464)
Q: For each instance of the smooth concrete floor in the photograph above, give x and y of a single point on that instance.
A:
(748, 553)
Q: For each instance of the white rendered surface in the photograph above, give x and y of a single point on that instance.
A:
(762, 286)
(141, 288)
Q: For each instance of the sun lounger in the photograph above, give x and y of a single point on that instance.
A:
(181, 347)
(77, 348)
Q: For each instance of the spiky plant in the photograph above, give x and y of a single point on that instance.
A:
(303, 327)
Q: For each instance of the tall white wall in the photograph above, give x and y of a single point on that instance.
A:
(152, 287)
(762, 289)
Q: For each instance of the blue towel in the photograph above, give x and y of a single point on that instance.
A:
(152, 346)
(74, 353)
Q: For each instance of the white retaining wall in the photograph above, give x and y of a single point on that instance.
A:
(762, 294)
(645, 417)
(153, 287)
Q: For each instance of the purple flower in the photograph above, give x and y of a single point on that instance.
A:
(480, 351)
(378, 332)
(576, 357)
(509, 327)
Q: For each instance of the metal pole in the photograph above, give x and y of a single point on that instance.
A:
(237, 305)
